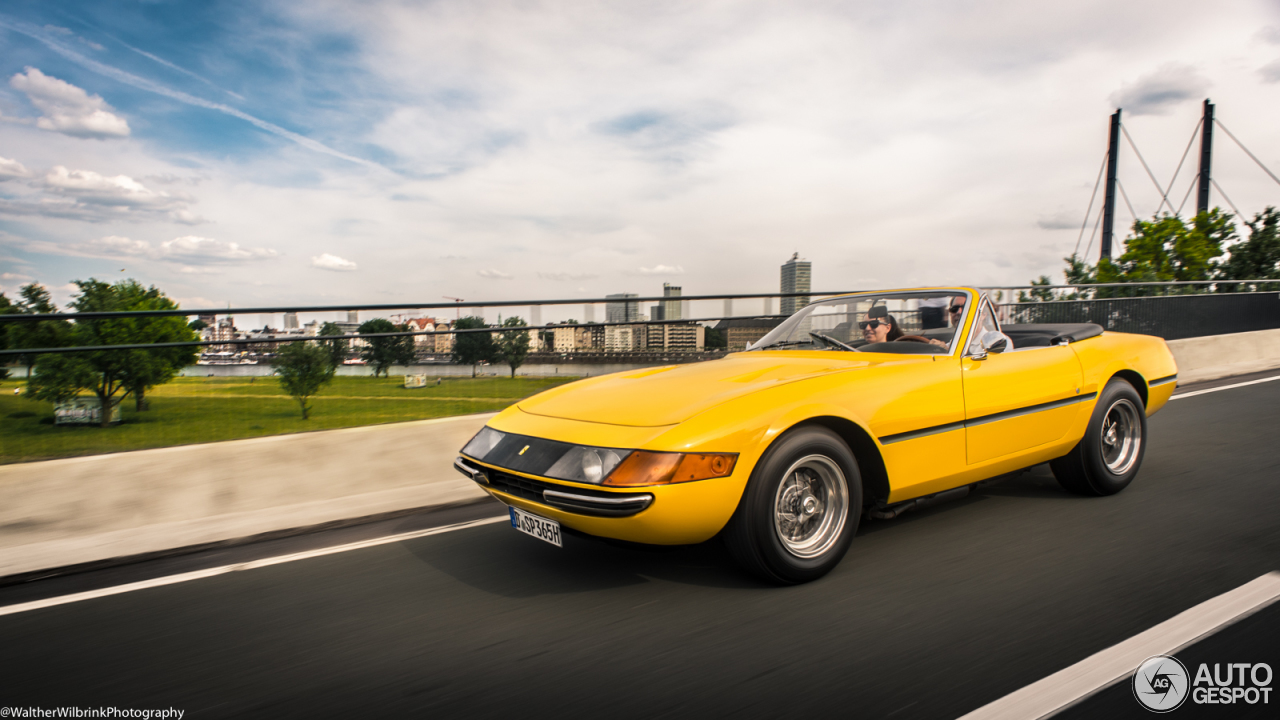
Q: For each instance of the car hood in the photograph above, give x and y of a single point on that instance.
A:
(668, 395)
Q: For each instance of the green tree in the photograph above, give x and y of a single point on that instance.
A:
(35, 333)
(472, 348)
(6, 308)
(112, 375)
(1257, 258)
(1166, 249)
(160, 365)
(1040, 291)
(1079, 272)
(197, 325)
(304, 368)
(716, 339)
(513, 345)
(337, 349)
(383, 352)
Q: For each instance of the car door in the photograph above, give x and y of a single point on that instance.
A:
(1018, 399)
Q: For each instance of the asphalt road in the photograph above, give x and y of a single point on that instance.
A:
(930, 616)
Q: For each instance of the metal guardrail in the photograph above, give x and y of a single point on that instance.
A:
(1196, 314)
(1172, 317)
(18, 317)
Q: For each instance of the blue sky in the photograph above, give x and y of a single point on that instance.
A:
(252, 153)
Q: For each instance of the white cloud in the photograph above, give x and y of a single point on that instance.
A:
(325, 261)
(116, 245)
(89, 187)
(12, 169)
(494, 274)
(1271, 71)
(68, 109)
(1157, 93)
(191, 248)
(567, 276)
(89, 196)
(1061, 220)
(662, 270)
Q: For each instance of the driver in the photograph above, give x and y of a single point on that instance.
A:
(879, 326)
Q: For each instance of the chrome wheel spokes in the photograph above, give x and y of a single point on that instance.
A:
(1121, 436)
(810, 506)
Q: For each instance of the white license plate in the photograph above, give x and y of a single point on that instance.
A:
(539, 527)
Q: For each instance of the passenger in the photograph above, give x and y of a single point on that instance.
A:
(879, 326)
(956, 311)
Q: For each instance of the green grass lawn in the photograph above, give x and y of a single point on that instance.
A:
(199, 410)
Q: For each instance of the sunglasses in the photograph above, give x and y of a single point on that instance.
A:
(957, 308)
(873, 324)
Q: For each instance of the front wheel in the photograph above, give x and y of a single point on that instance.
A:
(800, 509)
(1108, 457)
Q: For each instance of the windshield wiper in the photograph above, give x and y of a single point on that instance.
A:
(833, 342)
(784, 343)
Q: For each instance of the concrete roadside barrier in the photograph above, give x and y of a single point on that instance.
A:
(82, 510)
(86, 509)
(1218, 356)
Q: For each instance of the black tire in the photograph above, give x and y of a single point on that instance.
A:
(810, 463)
(1107, 459)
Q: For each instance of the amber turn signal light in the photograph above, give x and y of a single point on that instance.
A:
(650, 468)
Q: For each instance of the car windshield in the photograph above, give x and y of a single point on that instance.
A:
(891, 322)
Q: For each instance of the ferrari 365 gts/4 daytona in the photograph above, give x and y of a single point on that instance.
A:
(858, 403)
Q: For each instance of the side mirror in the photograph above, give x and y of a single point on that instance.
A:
(994, 342)
(991, 342)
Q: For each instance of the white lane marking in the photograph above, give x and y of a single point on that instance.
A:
(264, 562)
(1224, 387)
(1098, 672)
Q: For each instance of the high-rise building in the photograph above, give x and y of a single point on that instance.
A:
(291, 321)
(616, 312)
(671, 308)
(795, 279)
(353, 316)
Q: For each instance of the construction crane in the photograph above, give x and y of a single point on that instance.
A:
(449, 297)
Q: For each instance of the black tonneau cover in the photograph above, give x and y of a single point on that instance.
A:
(1044, 335)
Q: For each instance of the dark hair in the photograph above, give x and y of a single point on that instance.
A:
(895, 332)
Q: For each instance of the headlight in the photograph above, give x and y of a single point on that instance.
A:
(484, 441)
(595, 465)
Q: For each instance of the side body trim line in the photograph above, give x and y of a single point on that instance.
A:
(994, 417)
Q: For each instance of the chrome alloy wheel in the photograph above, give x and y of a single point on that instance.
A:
(810, 506)
(1121, 436)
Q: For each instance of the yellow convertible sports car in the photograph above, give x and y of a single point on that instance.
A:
(867, 403)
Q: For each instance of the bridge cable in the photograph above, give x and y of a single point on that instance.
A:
(1190, 142)
(1246, 150)
(1125, 195)
(1190, 187)
(1164, 199)
(1089, 210)
(1092, 233)
(1224, 197)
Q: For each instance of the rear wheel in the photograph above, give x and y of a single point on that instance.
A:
(800, 509)
(1108, 457)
